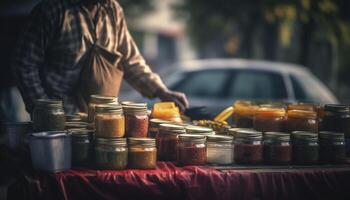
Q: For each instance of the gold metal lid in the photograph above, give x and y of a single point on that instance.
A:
(111, 141)
(109, 108)
(100, 99)
(333, 136)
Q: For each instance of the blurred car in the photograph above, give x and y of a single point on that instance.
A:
(217, 83)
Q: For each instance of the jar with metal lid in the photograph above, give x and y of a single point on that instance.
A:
(305, 148)
(153, 127)
(76, 125)
(332, 147)
(192, 150)
(269, 119)
(74, 118)
(48, 115)
(142, 153)
(136, 120)
(82, 147)
(220, 150)
(111, 153)
(109, 121)
(248, 147)
(98, 100)
(167, 141)
(243, 114)
(302, 106)
(301, 120)
(199, 130)
(277, 148)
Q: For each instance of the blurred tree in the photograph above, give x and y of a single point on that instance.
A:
(288, 30)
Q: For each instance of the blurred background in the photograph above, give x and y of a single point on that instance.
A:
(223, 50)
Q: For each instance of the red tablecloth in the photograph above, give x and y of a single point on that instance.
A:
(171, 182)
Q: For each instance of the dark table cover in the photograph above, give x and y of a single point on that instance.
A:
(193, 182)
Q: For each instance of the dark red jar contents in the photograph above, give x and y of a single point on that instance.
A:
(167, 147)
(191, 155)
(276, 154)
(136, 126)
(248, 153)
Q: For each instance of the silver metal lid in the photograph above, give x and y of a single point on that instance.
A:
(136, 108)
(304, 135)
(80, 132)
(51, 103)
(198, 129)
(192, 138)
(109, 108)
(277, 136)
(142, 141)
(100, 99)
(332, 136)
(220, 138)
(111, 141)
(73, 125)
(248, 134)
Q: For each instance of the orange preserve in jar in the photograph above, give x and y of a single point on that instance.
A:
(166, 111)
(244, 114)
(301, 120)
(269, 119)
(98, 100)
(302, 106)
(109, 121)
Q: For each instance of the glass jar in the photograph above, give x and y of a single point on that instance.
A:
(154, 127)
(167, 141)
(98, 100)
(81, 147)
(76, 125)
(111, 154)
(332, 147)
(192, 150)
(277, 148)
(302, 106)
(305, 148)
(300, 120)
(220, 150)
(199, 130)
(109, 121)
(243, 114)
(269, 119)
(136, 120)
(48, 115)
(248, 147)
(142, 153)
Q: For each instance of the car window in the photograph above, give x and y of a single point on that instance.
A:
(253, 84)
(209, 83)
(306, 88)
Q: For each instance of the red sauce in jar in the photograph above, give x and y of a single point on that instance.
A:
(248, 153)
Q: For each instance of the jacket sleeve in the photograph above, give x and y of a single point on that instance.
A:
(136, 72)
(29, 57)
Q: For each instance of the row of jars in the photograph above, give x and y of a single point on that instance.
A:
(112, 153)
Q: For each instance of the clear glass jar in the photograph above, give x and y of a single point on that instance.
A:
(305, 148)
(98, 100)
(248, 147)
(192, 150)
(82, 147)
(220, 150)
(142, 153)
(111, 154)
(48, 115)
(136, 120)
(167, 141)
(109, 121)
(269, 119)
(243, 114)
(277, 148)
(300, 120)
(153, 127)
(332, 147)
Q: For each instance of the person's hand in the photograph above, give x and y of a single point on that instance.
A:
(179, 98)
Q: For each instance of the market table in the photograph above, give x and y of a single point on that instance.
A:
(193, 182)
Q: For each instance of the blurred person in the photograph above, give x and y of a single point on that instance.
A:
(71, 49)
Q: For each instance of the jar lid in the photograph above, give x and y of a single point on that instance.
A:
(220, 138)
(73, 118)
(112, 141)
(50, 135)
(100, 99)
(232, 131)
(277, 136)
(192, 138)
(49, 103)
(71, 125)
(141, 141)
(134, 104)
(109, 108)
(248, 134)
(198, 129)
(302, 114)
(157, 122)
(304, 135)
(302, 106)
(80, 132)
(334, 136)
(339, 108)
(171, 127)
(135, 108)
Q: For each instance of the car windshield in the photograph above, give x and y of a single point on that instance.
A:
(308, 89)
